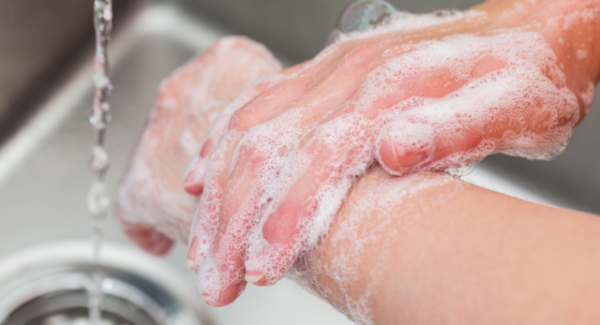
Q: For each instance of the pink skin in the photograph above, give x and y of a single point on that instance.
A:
(311, 99)
(152, 205)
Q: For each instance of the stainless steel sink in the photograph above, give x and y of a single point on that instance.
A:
(43, 161)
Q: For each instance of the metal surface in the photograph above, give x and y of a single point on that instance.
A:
(39, 39)
(47, 282)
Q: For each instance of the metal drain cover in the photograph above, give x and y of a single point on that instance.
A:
(46, 285)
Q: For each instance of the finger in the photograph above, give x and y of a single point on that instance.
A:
(210, 284)
(223, 268)
(408, 143)
(258, 110)
(499, 113)
(148, 238)
(194, 178)
(139, 230)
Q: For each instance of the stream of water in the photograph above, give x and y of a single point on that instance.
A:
(97, 201)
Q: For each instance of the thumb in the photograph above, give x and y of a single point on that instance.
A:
(510, 114)
(410, 144)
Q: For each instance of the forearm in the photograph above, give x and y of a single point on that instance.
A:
(457, 254)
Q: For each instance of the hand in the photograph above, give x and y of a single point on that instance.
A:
(431, 98)
(152, 205)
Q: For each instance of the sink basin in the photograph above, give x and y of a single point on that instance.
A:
(43, 165)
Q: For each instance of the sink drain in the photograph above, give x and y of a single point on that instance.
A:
(46, 285)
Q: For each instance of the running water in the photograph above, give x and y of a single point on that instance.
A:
(97, 200)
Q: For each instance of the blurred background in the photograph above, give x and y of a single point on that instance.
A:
(46, 48)
(39, 38)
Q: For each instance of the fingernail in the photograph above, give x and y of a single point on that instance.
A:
(191, 256)
(410, 159)
(253, 276)
(192, 184)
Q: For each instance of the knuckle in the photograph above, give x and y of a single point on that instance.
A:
(249, 149)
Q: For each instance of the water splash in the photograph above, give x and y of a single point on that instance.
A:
(97, 201)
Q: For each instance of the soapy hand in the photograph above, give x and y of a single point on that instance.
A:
(423, 93)
(152, 205)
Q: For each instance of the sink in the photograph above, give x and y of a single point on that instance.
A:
(43, 162)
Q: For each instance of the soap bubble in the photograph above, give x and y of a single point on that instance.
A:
(361, 15)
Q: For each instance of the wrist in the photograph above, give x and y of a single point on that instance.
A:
(571, 27)
(353, 266)
(452, 253)
(573, 30)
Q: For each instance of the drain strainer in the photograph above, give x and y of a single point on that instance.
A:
(46, 285)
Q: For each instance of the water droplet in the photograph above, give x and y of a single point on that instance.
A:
(100, 80)
(107, 14)
(99, 161)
